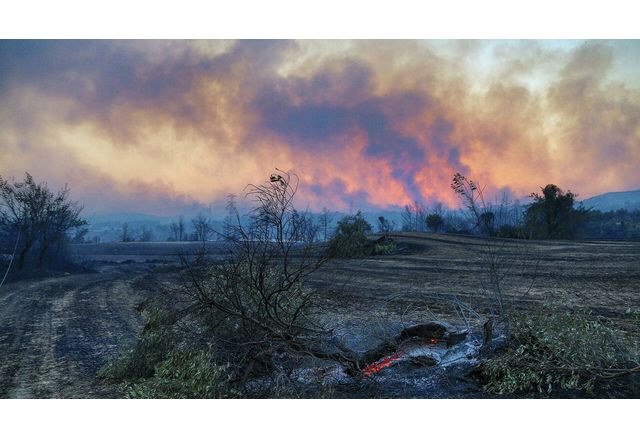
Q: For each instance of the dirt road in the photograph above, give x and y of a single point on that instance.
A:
(56, 333)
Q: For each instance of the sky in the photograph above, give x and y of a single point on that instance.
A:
(167, 127)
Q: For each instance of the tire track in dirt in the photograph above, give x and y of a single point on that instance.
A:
(56, 333)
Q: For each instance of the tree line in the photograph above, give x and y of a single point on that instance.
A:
(37, 223)
(552, 214)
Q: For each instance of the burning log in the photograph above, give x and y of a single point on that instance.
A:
(410, 345)
(410, 339)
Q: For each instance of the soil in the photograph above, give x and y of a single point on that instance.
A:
(56, 333)
(429, 272)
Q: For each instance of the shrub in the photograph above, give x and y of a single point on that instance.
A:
(251, 310)
(251, 315)
(350, 239)
(435, 222)
(140, 359)
(384, 248)
(552, 351)
(185, 374)
(154, 366)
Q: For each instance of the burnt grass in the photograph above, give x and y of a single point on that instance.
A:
(57, 331)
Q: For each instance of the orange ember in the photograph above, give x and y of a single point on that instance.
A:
(391, 360)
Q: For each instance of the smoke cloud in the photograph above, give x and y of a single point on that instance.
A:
(171, 126)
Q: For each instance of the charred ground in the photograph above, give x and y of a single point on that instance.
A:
(57, 332)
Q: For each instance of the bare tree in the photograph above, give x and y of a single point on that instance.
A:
(202, 227)
(325, 221)
(407, 218)
(37, 218)
(181, 229)
(124, 233)
(177, 230)
(414, 217)
(385, 226)
(174, 230)
(146, 234)
(420, 213)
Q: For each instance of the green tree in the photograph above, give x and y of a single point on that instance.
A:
(350, 239)
(552, 214)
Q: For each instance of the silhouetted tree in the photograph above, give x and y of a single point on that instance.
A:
(407, 218)
(385, 226)
(414, 217)
(124, 233)
(146, 234)
(182, 235)
(175, 231)
(435, 222)
(201, 227)
(552, 215)
(325, 222)
(37, 219)
(420, 212)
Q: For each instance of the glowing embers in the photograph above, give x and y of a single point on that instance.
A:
(381, 364)
(407, 351)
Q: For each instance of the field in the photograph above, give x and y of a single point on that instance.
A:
(57, 331)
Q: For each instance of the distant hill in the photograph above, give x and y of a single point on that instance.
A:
(629, 200)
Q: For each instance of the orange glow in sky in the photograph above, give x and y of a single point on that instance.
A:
(164, 126)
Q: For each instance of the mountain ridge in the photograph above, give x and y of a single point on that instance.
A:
(608, 201)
